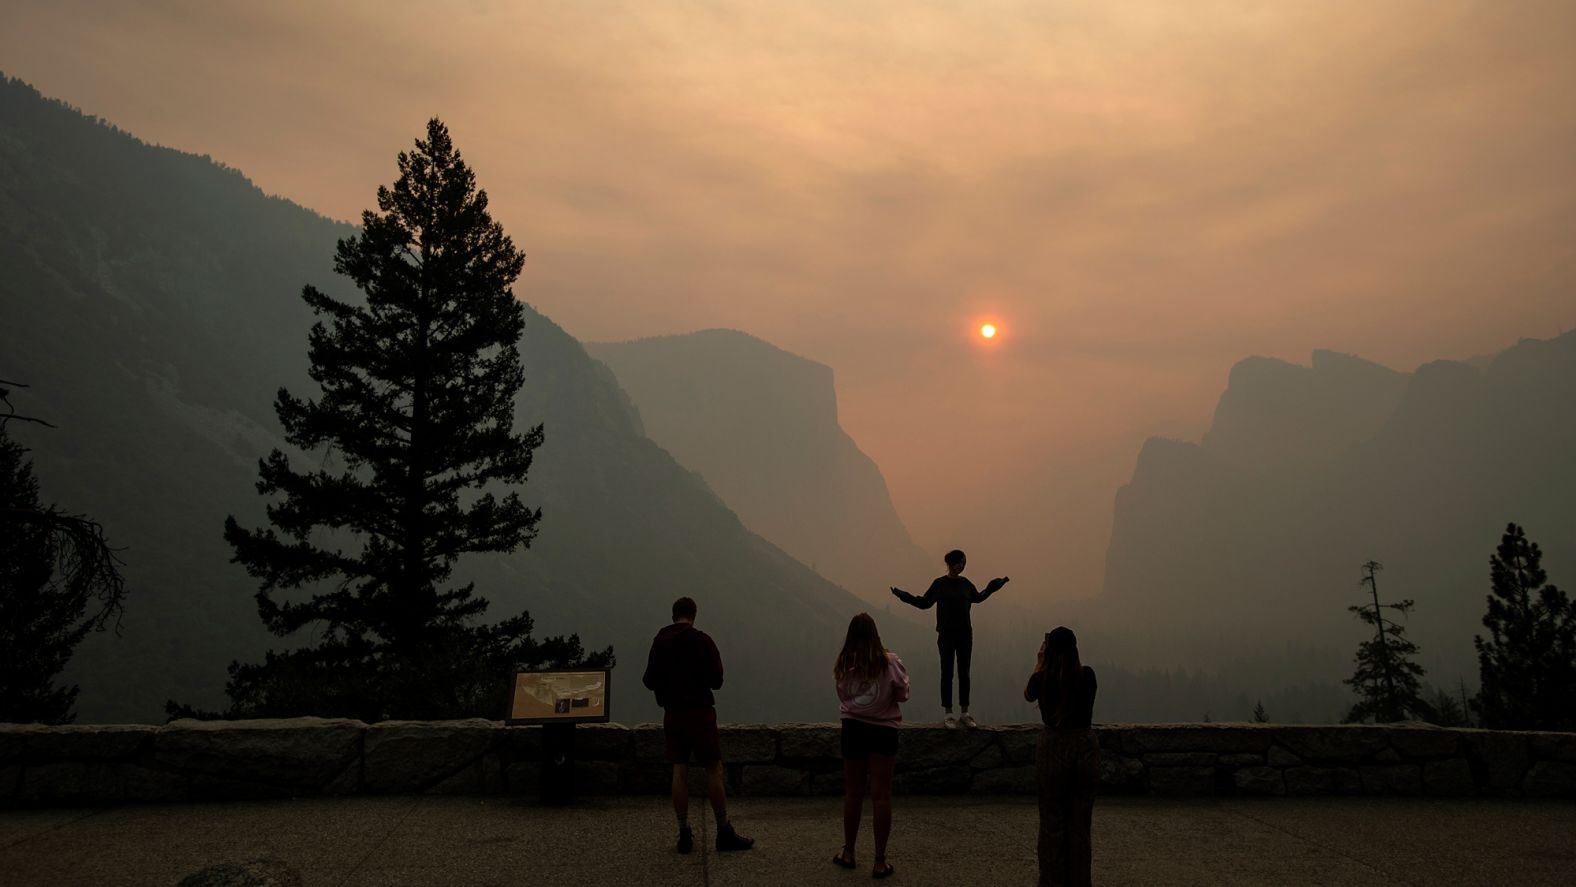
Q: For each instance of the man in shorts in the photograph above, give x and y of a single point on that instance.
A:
(682, 670)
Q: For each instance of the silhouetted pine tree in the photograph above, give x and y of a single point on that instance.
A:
(1259, 715)
(1387, 681)
(1447, 710)
(1528, 662)
(54, 567)
(418, 388)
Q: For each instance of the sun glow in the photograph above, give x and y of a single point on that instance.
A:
(988, 330)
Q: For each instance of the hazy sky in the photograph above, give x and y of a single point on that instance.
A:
(1138, 193)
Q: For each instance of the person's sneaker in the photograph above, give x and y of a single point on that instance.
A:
(728, 839)
(968, 721)
(686, 840)
(950, 722)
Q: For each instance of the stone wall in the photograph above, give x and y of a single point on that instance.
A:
(201, 760)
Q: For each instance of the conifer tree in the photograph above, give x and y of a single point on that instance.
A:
(1259, 715)
(59, 580)
(1387, 681)
(1528, 661)
(417, 412)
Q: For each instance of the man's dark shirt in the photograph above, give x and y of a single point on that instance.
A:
(951, 596)
(683, 667)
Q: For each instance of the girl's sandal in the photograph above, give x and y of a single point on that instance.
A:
(882, 870)
(844, 859)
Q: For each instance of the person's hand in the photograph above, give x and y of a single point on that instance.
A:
(996, 584)
(897, 591)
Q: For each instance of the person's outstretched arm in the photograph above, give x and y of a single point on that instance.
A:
(991, 588)
(924, 602)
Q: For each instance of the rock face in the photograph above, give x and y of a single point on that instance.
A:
(41, 766)
(1308, 471)
(152, 301)
(760, 425)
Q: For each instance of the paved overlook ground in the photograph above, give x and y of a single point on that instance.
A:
(943, 841)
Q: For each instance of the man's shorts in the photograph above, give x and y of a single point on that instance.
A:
(692, 731)
(860, 740)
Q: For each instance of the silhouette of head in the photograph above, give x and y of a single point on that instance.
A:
(1062, 671)
(684, 608)
(955, 561)
(864, 656)
(1059, 640)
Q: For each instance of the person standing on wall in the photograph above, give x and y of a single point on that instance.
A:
(952, 596)
(1067, 760)
(683, 669)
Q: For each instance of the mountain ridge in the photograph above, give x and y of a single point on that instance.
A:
(158, 298)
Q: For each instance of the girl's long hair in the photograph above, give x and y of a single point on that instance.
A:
(863, 658)
(1062, 678)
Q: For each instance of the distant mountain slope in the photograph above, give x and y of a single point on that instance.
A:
(151, 298)
(760, 425)
(1257, 533)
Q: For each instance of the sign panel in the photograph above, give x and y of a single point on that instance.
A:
(579, 696)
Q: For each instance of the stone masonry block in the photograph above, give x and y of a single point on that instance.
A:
(1550, 779)
(98, 782)
(815, 743)
(749, 744)
(1214, 738)
(1415, 743)
(1180, 759)
(604, 742)
(413, 756)
(1121, 775)
(1018, 742)
(13, 738)
(1554, 747)
(921, 748)
(1259, 781)
(1347, 743)
(288, 754)
(1499, 759)
(89, 742)
(650, 746)
(1279, 757)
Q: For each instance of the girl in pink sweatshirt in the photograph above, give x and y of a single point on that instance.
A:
(871, 681)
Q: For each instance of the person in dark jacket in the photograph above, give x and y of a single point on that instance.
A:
(682, 670)
(952, 596)
(1067, 761)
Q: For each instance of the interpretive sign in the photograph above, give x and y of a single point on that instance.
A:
(560, 697)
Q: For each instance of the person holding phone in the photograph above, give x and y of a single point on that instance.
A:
(1067, 760)
(871, 682)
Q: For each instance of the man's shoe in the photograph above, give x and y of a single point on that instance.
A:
(686, 840)
(968, 721)
(728, 839)
(950, 722)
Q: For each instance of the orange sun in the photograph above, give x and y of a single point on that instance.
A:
(988, 331)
